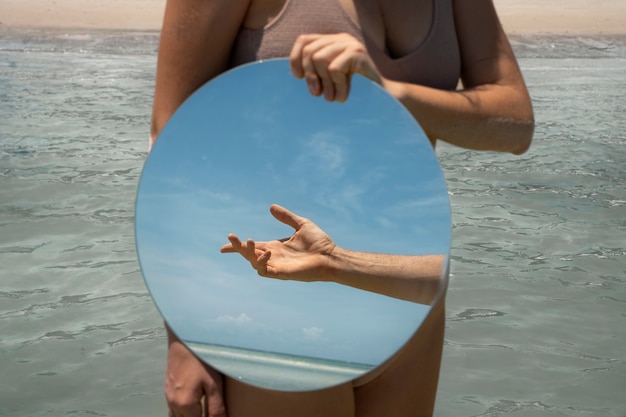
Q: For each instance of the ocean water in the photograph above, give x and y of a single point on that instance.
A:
(536, 309)
(289, 372)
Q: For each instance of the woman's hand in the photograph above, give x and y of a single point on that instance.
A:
(327, 63)
(303, 257)
(189, 382)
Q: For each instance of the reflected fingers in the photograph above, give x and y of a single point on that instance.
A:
(249, 250)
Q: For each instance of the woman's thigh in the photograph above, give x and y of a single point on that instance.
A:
(243, 400)
(408, 386)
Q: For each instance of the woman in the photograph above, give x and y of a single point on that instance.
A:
(418, 50)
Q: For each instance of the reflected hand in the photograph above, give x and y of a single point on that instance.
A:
(302, 257)
(190, 385)
(327, 63)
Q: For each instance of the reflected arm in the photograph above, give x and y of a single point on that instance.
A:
(412, 278)
(311, 255)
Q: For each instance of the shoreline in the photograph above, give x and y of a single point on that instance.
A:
(519, 17)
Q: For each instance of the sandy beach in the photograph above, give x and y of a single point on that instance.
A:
(521, 17)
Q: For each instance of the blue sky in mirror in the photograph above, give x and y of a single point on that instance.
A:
(362, 170)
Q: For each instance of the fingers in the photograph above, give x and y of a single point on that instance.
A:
(234, 245)
(214, 406)
(250, 250)
(190, 410)
(237, 246)
(214, 395)
(320, 72)
(326, 63)
(261, 263)
(255, 253)
(217, 410)
(295, 56)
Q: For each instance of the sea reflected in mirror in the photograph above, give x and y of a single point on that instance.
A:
(363, 171)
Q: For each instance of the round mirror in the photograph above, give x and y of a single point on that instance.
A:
(362, 170)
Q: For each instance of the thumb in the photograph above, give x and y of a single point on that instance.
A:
(287, 217)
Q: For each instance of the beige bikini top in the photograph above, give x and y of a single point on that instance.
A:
(435, 62)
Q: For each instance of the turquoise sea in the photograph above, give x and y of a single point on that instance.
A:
(536, 310)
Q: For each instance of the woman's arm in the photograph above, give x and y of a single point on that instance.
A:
(195, 44)
(493, 111)
(196, 39)
(311, 255)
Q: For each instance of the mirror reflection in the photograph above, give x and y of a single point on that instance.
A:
(362, 171)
